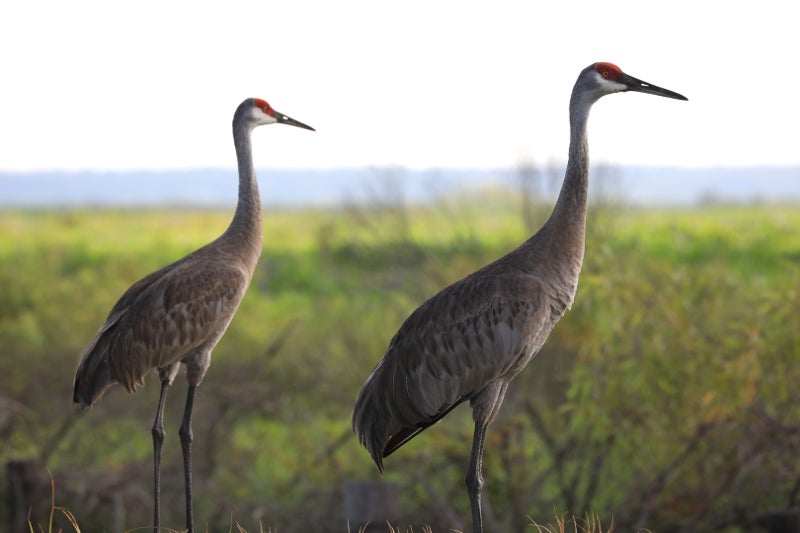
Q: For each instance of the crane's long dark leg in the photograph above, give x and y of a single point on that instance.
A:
(186, 443)
(158, 442)
(474, 478)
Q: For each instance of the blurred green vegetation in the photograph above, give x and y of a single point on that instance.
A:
(666, 398)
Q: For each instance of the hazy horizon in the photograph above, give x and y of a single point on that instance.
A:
(216, 187)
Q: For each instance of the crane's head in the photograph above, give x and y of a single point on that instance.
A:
(259, 112)
(607, 78)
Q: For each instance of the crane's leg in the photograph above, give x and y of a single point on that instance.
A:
(474, 478)
(186, 443)
(158, 442)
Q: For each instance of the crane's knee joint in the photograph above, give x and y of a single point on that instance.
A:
(158, 434)
(185, 433)
(474, 481)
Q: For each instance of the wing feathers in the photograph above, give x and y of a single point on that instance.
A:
(159, 321)
(471, 334)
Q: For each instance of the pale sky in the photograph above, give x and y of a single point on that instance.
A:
(106, 85)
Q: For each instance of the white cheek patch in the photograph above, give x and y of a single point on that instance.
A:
(262, 118)
(618, 87)
(611, 85)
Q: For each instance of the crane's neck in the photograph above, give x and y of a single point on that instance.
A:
(568, 220)
(558, 247)
(246, 228)
(567, 223)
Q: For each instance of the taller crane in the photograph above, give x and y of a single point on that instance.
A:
(469, 341)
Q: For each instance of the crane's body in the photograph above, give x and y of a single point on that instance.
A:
(177, 314)
(465, 343)
(471, 339)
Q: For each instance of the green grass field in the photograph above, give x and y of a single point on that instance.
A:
(666, 396)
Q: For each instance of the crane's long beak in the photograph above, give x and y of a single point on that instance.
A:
(283, 119)
(637, 85)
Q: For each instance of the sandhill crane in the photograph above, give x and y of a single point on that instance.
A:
(178, 314)
(469, 341)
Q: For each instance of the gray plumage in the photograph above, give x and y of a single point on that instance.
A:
(174, 315)
(177, 314)
(470, 340)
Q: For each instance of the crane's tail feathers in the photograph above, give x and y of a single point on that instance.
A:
(369, 423)
(91, 381)
(380, 432)
(370, 432)
(93, 376)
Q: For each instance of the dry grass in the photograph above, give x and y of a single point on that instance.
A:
(589, 524)
(391, 529)
(53, 508)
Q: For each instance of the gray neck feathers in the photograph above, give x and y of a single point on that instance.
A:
(558, 247)
(569, 214)
(246, 224)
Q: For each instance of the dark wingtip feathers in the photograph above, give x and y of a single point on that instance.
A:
(91, 382)
(369, 427)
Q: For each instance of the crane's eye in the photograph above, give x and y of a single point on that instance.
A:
(605, 73)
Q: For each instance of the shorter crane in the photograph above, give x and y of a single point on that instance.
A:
(177, 314)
